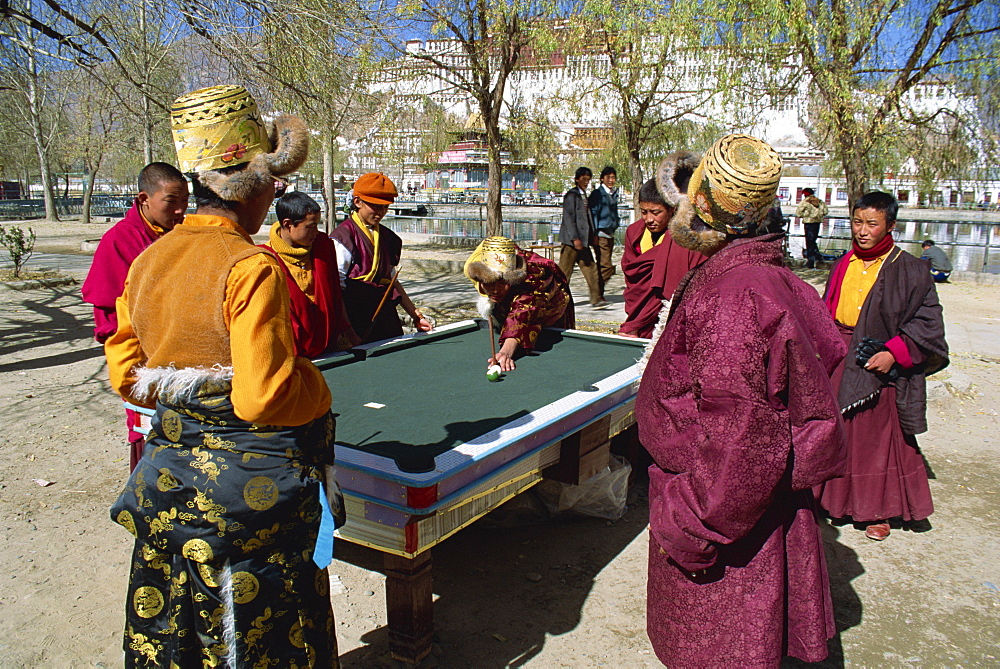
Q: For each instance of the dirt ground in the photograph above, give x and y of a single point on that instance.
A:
(567, 593)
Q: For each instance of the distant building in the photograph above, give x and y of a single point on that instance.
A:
(463, 168)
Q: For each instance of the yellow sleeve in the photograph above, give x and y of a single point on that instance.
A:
(123, 353)
(270, 384)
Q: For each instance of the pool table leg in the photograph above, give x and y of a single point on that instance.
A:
(409, 605)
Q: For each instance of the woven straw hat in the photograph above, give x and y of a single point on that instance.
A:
(220, 127)
(217, 127)
(734, 186)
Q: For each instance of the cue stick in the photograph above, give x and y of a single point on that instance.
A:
(493, 344)
(381, 304)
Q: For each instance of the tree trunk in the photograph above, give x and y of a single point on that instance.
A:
(494, 217)
(35, 115)
(147, 123)
(147, 131)
(854, 173)
(329, 191)
(88, 193)
(635, 169)
(633, 145)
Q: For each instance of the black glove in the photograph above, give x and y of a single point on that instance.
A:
(867, 348)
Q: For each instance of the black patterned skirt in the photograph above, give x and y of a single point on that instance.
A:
(226, 515)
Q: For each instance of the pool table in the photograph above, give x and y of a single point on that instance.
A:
(426, 444)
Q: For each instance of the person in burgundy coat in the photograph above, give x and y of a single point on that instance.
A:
(653, 263)
(159, 206)
(738, 412)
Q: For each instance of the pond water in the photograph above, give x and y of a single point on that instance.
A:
(963, 242)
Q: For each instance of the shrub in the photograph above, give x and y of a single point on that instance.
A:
(19, 246)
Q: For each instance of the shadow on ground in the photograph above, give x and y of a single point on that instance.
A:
(501, 591)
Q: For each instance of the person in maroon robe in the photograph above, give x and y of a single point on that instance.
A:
(309, 261)
(887, 309)
(367, 253)
(159, 206)
(738, 412)
(522, 292)
(653, 263)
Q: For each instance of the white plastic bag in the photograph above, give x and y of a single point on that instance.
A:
(603, 495)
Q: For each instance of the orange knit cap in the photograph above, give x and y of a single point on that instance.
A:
(375, 188)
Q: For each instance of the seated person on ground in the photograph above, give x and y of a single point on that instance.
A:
(940, 264)
(522, 292)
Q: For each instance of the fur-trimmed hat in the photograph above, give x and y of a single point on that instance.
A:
(496, 259)
(734, 186)
(674, 174)
(730, 193)
(220, 127)
(375, 188)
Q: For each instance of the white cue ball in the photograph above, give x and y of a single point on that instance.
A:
(493, 373)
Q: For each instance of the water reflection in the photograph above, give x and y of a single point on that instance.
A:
(835, 238)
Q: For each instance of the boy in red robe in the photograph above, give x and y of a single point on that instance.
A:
(887, 310)
(522, 292)
(653, 263)
(319, 321)
(159, 206)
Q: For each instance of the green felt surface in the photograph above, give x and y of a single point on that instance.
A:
(437, 396)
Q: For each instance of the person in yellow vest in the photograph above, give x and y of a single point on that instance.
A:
(224, 503)
(367, 254)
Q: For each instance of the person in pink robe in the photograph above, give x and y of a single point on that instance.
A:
(653, 263)
(738, 412)
(159, 206)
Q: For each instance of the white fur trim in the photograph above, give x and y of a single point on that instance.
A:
(860, 403)
(176, 384)
(661, 325)
(484, 306)
(228, 615)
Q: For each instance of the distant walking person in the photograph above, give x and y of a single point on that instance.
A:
(887, 309)
(940, 265)
(812, 211)
(603, 203)
(578, 238)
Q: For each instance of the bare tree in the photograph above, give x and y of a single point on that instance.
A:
(25, 72)
(483, 42)
(863, 61)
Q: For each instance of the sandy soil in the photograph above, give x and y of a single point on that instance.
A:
(921, 598)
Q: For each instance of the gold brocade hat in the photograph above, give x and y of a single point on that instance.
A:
(733, 187)
(217, 127)
(496, 259)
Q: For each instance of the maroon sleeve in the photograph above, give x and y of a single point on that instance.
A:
(105, 282)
